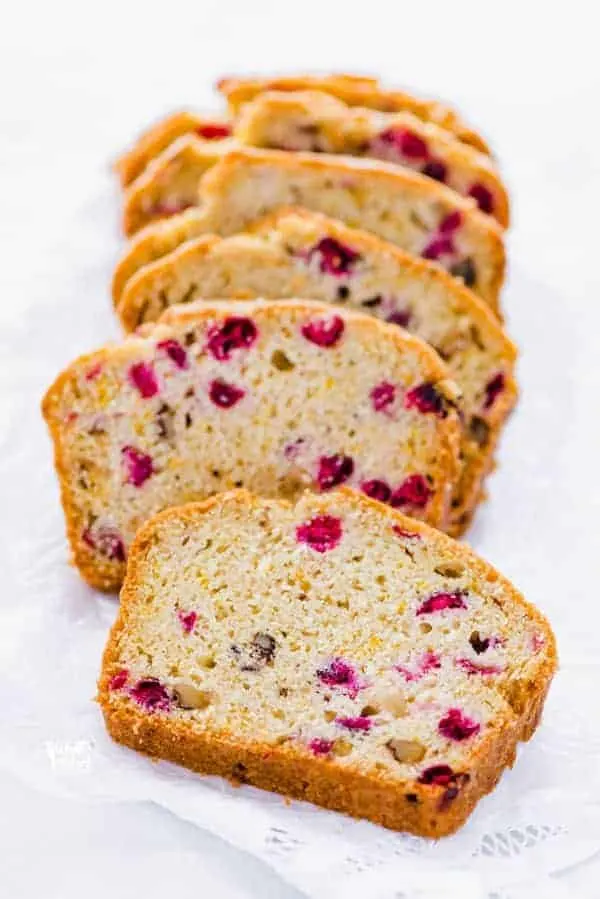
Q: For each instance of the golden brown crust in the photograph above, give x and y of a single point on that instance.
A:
(108, 575)
(399, 805)
(157, 138)
(131, 305)
(318, 122)
(153, 278)
(97, 571)
(313, 780)
(170, 181)
(157, 239)
(468, 497)
(355, 91)
(420, 267)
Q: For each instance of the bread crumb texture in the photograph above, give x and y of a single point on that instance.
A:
(332, 649)
(272, 396)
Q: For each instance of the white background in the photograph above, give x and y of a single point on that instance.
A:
(76, 83)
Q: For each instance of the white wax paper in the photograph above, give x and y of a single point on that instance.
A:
(539, 527)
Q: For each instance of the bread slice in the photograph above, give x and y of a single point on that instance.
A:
(162, 134)
(170, 182)
(273, 396)
(315, 122)
(299, 253)
(355, 91)
(332, 650)
(417, 214)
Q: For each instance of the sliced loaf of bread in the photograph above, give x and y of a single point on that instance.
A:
(170, 182)
(355, 91)
(299, 253)
(273, 396)
(332, 650)
(162, 134)
(315, 122)
(350, 89)
(410, 210)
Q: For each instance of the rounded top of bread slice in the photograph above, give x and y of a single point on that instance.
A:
(355, 90)
(273, 396)
(435, 305)
(414, 212)
(296, 252)
(313, 121)
(160, 135)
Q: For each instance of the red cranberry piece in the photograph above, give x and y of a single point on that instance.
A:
(399, 317)
(187, 620)
(324, 332)
(334, 257)
(223, 394)
(321, 533)
(440, 601)
(93, 372)
(338, 673)
(455, 725)
(451, 222)
(483, 197)
(493, 388)
(413, 491)
(426, 398)
(143, 379)
(438, 246)
(360, 722)
(438, 775)
(382, 395)
(401, 532)
(175, 352)
(320, 746)
(411, 145)
(213, 131)
(236, 333)
(151, 694)
(435, 169)
(334, 470)
(376, 489)
(406, 142)
(118, 680)
(429, 661)
(138, 465)
(106, 541)
(472, 668)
